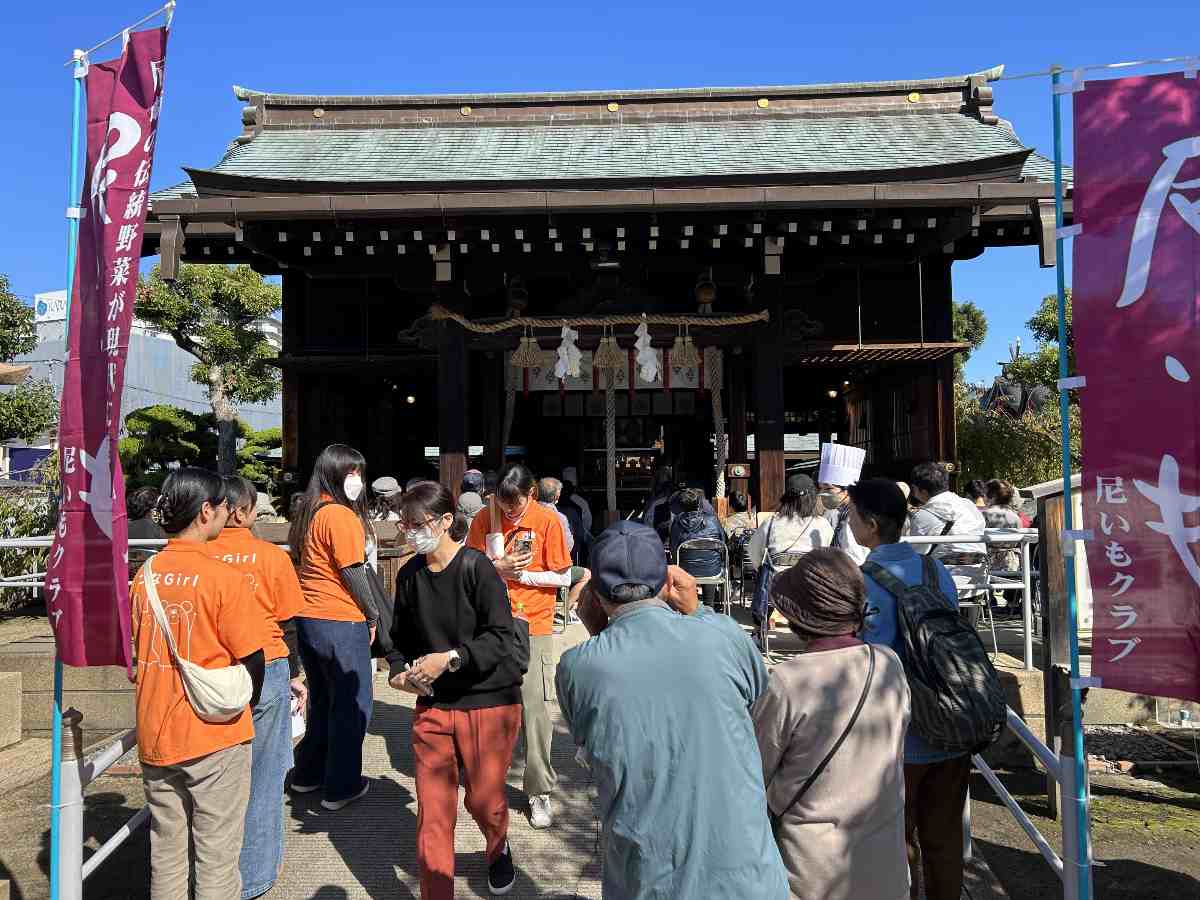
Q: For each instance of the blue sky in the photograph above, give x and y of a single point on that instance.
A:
(348, 47)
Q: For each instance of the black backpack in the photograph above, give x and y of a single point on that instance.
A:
(958, 704)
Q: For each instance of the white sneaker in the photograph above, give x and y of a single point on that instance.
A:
(341, 804)
(540, 815)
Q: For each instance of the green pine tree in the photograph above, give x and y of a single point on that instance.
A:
(211, 311)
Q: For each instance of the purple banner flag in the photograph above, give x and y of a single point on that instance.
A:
(87, 589)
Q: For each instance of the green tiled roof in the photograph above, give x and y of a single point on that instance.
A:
(1038, 168)
(641, 151)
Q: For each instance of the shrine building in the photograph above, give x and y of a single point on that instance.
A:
(790, 249)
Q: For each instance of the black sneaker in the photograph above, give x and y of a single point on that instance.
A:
(502, 874)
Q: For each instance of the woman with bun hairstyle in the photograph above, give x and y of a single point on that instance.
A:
(196, 773)
(335, 627)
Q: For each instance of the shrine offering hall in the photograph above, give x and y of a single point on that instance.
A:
(787, 252)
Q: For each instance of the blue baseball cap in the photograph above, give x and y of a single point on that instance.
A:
(628, 553)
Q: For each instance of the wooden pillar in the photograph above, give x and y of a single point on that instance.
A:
(493, 378)
(769, 400)
(452, 405)
(737, 384)
(294, 288)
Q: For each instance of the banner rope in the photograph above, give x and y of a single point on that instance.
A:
(437, 312)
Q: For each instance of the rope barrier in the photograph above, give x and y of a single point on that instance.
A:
(437, 312)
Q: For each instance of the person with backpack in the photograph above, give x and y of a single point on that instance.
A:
(453, 638)
(336, 627)
(958, 706)
(197, 637)
(278, 596)
(830, 729)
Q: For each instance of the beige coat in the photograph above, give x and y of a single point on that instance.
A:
(845, 839)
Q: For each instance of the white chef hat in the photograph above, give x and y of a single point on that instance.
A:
(841, 465)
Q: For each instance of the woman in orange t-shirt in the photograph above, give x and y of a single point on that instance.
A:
(196, 773)
(528, 547)
(335, 627)
(279, 599)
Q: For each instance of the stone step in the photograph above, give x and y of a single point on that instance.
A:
(103, 693)
(10, 708)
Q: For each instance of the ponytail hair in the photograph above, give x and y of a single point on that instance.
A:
(239, 493)
(184, 494)
(516, 481)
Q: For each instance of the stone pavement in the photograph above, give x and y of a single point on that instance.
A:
(368, 850)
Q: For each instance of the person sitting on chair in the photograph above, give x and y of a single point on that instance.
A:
(694, 524)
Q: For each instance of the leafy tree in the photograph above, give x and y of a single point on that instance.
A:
(31, 408)
(27, 511)
(210, 312)
(159, 438)
(1041, 366)
(253, 463)
(970, 327)
(1025, 450)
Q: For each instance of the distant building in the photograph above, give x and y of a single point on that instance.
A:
(156, 372)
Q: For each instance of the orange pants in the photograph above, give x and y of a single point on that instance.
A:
(481, 741)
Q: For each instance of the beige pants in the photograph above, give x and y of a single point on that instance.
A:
(537, 692)
(203, 800)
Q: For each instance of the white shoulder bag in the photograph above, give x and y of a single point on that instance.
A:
(216, 695)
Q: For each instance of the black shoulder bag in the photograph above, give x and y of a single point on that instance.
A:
(776, 819)
(519, 648)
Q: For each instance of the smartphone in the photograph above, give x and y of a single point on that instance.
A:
(524, 543)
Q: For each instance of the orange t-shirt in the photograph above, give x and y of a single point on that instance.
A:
(215, 622)
(276, 587)
(336, 539)
(549, 555)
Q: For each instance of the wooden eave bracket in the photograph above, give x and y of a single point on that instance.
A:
(1046, 220)
(170, 246)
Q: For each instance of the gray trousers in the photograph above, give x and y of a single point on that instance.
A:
(537, 693)
(203, 799)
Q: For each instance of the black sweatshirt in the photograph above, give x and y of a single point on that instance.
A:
(464, 607)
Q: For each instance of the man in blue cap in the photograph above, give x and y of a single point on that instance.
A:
(660, 700)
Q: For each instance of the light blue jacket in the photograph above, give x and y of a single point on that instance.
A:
(661, 704)
(882, 626)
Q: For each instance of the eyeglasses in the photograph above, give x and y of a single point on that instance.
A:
(218, 503)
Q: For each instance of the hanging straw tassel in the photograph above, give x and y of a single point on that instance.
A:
(608, 354)
(685, 353)
(527, 355)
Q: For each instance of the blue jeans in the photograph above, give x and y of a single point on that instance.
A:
(337, 662)
(262, 846)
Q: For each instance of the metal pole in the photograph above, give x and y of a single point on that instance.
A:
(70, 854)
(73, 199)
(1027, 603)
(1077, 869)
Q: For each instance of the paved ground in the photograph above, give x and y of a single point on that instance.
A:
(366, 850)
(369, 849)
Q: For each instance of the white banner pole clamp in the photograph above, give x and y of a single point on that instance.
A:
(1073, 383)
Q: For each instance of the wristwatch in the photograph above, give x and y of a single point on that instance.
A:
(455, 663)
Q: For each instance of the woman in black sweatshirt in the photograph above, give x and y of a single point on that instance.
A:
(453, 637)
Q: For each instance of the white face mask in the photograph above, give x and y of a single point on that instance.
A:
(353, 487)
(423, 540)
